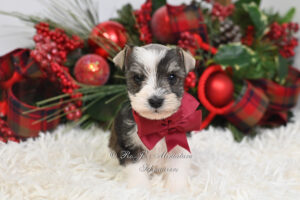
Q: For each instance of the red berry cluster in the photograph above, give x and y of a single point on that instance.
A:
(51, 50)
(143, 17)
(282, 36)
(68, 86)
(72, 111)
(187, 42)
(249, 37)
(53, 45)
(190, 81)
(6, 134)
(60, 74)
(283, 31)
(287, 50)
(221, 12)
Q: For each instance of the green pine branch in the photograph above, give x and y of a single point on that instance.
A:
(127, 19)
(73, 16)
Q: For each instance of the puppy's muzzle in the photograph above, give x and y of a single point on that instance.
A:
(155, 102)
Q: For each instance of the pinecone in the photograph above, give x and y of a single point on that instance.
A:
(229, 32)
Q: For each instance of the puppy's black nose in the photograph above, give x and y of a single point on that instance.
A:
(155, 102)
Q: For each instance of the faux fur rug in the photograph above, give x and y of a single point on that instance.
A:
(76, 164)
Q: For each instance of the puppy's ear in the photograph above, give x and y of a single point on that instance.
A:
(189, 60)
(120, 59)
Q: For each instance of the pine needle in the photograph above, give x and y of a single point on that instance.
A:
(77, 17)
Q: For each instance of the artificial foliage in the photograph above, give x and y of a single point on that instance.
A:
(253, 48)
(127, 19)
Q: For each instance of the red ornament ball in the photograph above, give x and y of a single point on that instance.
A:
(169, 21)
(110, 34)
(161, 26)
(92, 69)
(219, 89)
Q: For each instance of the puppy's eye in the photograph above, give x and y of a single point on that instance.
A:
(138, 78)
(172, 78)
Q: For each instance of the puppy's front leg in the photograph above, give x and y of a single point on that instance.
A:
(177, 181)
(137, 176)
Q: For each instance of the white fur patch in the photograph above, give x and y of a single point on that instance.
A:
(149, 59)
(135, 176)
(139, 103)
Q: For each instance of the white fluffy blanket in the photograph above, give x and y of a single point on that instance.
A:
(76, 164)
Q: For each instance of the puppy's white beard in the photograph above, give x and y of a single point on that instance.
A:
(139, 103)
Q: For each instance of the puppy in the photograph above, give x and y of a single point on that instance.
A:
(155, 77)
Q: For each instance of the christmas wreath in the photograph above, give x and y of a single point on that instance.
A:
(243, 78)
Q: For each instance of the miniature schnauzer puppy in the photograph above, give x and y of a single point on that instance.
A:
(155, 77)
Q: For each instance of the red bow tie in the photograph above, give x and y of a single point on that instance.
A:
(173, 128)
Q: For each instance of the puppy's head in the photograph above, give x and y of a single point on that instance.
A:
(155, 77)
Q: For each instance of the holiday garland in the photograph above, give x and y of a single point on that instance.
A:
(244, 55)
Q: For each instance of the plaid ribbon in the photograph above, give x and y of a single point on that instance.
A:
(273, 119)
(23, 66)
(18, 61)
(187, 18)
(7, 66)
(248, 109)
(23, 124)
(282, 98)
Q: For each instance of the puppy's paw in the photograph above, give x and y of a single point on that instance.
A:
(178, 181)
(138, 181)
(176, 184)
(137, 177)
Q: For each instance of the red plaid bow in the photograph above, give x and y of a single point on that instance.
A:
(173, 128)
(187, 18)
